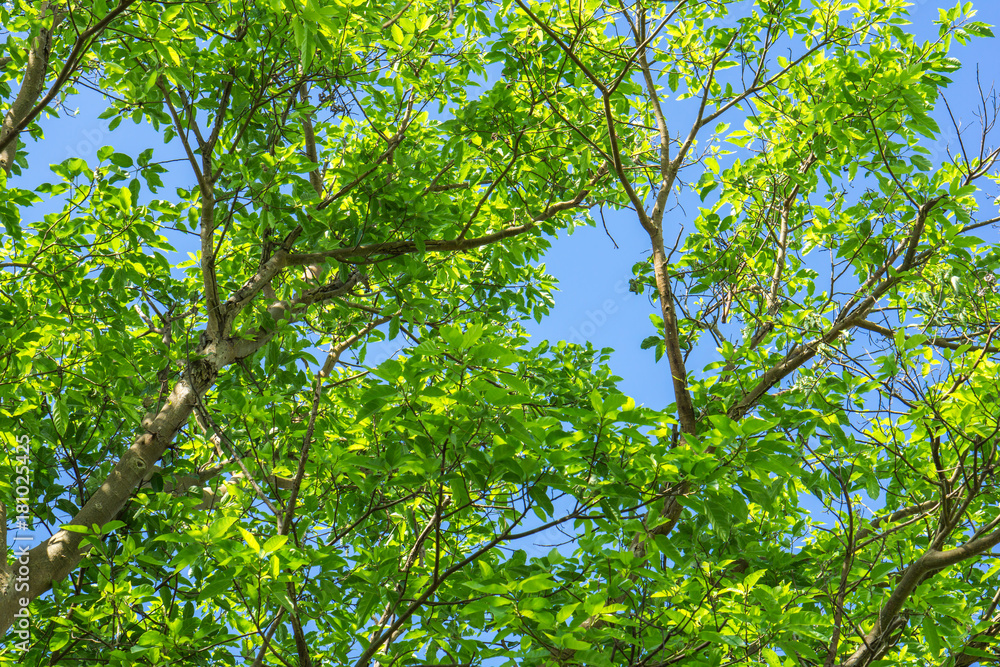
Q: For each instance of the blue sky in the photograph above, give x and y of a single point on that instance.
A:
(593, 302)
(593, 298)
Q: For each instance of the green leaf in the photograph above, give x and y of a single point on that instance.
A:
(537, 583)
(931, 635)
(152, 638)
(112, 526)
(60, 415)
(73, 528)
(215, 588)
(249, 539)
(274, 543)
(750, 580)
(596, 402)
(10, 223)
(770, 657)
(650, 341)
(220, 527)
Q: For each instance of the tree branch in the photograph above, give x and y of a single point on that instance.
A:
(16, 125)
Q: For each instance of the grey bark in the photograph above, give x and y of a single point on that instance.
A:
(58, 556)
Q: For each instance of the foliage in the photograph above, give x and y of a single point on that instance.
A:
(241, 478)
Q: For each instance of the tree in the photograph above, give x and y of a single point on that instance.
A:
(236, 485)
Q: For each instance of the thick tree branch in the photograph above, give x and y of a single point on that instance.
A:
(20, 112)
(21, 119)
(358, 254)
(876, 640)
(59, 555)
(936, 341)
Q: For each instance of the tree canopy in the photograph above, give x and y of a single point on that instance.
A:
(212, 471)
